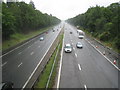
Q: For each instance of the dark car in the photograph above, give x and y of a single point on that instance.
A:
(70, 32)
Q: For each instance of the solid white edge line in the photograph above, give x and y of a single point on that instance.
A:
(103, 55)
(17, 47)
(37, 66)
(59, 74)
(85, 87)
(79, 67)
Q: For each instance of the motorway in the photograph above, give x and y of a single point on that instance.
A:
(86, 67)
(18, 64)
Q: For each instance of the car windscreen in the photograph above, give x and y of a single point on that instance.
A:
(67, 46)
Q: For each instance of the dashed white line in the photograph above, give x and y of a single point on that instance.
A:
(16, 48)
(72, 43)
(3, 64)
(73, 48)
(38, 46)
(79, 67)
(29, 46)
(31, 53)
(71, 40)
(85, 87)
(75, 54)
(19, 52)
(20, 64)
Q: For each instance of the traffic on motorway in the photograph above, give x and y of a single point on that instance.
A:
(82, 66)
(80, 62)
(19, 64)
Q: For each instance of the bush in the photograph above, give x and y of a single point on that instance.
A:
(105, 36)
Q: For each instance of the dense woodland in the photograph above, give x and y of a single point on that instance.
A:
(101, 22)
(19, 17)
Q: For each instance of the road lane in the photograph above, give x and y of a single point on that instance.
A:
(96, 71)
(70, 77)
(23, 61)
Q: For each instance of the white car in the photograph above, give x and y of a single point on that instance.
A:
(41, 38)
(68, 48)
(80, 36)
(79, 45)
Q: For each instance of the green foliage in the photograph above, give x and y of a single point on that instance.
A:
(20, 17)
(103, 22)
(104, 36)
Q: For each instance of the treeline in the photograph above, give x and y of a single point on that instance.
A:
(101, 22)
(19, 17)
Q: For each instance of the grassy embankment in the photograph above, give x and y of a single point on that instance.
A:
(110, 44)
(19, 37)
(45, 75)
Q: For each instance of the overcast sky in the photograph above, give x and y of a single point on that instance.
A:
(64, 9)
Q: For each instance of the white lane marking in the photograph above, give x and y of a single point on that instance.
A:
(20, 64)
(3, 64)
(17, 48)
(85, 87)
(31, 53)
(73, 48)
(72, 43)
(79, 67)
(38, 46)
(29, 46)
(37, 66)
(75, 54)
(103, 55)
(59, 73)
(19, 52)
(71, 40)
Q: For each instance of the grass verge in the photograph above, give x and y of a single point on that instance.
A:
(19, 37)
(110, 44)
(45, 75)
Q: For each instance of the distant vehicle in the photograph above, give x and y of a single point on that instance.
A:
(6, 86)
(53, 30)
(80, 32)
(41, 38)
(79, 45)
(46, 32)
(68, 48)
(80, 36)
(70, 32)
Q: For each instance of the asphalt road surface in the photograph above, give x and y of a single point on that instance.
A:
(86, 67)
(18, 64)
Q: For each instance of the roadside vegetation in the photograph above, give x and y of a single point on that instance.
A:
(42, 82)
(102, 23)
(20, 37)
(19, 19)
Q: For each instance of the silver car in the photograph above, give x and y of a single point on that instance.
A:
(41, 38)
(68, 48)
(79, 45)
(80, 36)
